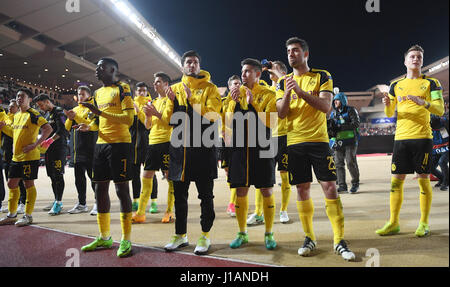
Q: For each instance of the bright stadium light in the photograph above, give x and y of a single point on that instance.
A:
(439, 66)
(140, 24)
(123, 8)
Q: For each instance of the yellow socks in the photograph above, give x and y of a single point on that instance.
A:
(285, 191)
(258, 202)
(269, 212)
(13, 201)
(170, 197)
(103, 220)
(396, 199)
(31, 200)
(233, 195)
(336, 217)
(426, 196)
(147, 185)
(206, 234)
(241, 212)
(305, 213)
(125, 223)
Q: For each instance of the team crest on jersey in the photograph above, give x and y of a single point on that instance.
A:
(199, 92)
(423, 88)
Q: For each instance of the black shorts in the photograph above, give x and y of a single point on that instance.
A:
(281, 159)
(411, 156)
(157, 157)
(260, 172)
(223, 155)
(303, 156)
(55, 161)
(26, 170)
(112, 162)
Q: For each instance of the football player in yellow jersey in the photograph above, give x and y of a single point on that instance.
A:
(195, 103)
(304, 97)
(277, 70)
(157, 153)
(248, 165)
(83, 148)
(233, 81)
(3, 118)
(415, 96)
(25, 163)
(139, 139)
(7, 146)
(113, 153)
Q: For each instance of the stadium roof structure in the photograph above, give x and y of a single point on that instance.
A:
(58, 42)
(438, 70)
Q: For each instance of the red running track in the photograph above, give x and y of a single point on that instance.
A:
(34, 246)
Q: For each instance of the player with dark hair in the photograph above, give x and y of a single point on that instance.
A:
(114, 109)
(233, 81)
(139, 140)
(246, 165)
(304, 97)
(7, 146)
(193, 161)
(157, 153)
(83, 147)
(25, 163)
(56, 149)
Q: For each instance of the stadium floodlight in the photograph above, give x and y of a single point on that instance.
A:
(148, 33)
(143, 28)
(439, 66)
(122, 7)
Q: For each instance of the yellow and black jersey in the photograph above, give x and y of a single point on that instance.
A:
(83, 142)
(25, 129)
(281, 128)
(160, 130)
(225, 101)
(264, 101)
(205, 95)
(5, 118)
(140, 102)
(304, 122)
(117, 115)
(188, 163)
(413, 121)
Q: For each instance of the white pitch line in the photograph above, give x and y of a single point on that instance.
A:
(162, 249)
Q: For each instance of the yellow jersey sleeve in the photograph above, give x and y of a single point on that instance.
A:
(413, 120)
(117, 113)
(304, 122)
(26, 127)
(160, 131)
